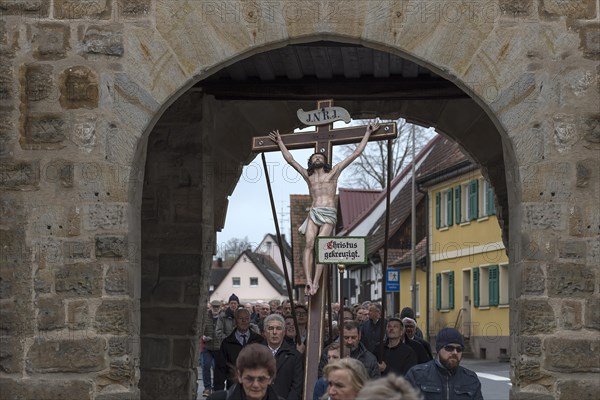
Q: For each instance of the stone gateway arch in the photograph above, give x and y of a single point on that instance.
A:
(119, 147)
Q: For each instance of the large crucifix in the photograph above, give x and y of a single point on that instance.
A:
(322, 180)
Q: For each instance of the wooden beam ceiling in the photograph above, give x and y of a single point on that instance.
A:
(340, 89)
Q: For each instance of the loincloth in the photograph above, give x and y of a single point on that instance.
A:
(320, 216)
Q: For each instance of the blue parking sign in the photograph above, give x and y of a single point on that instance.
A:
(392, 280)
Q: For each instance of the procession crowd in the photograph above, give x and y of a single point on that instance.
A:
(256, 352)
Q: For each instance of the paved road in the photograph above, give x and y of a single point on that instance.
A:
(494, 377)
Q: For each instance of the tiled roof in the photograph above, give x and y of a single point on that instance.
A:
(395, 182)
(445, 154)
(217, 275)
(269, 269)
(352, 203)
(400, 209)
(402, 257)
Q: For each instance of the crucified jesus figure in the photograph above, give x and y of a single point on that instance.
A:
(322, 180)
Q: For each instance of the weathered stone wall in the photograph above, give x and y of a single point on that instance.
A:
(173, 203)
(83, 82)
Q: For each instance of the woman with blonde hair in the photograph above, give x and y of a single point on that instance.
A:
(345, 379)
(390, 387)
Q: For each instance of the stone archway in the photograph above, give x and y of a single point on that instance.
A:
(71, 239)
(180, 163)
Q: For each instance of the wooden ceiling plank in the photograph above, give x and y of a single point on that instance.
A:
(291, 63)
(410, 70)
(276, 62)
(396, 64)
(263, 66)
(249, 67)
(321, 62)
(365, 61)
(306, 63)
(381, 64)
(237, 72)
(350, 60)
(337, 64)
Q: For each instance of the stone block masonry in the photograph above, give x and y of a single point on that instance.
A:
(110, 202)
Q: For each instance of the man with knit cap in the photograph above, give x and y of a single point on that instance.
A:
(443, 377)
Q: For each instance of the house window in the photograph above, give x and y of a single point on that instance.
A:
(487, 205)
(486, 285)
(444, 288)
(504, 284)
(444, 207)
(235, 281)
(472, 203)
(253, 282)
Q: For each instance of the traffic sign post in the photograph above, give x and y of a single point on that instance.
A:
(392, 280)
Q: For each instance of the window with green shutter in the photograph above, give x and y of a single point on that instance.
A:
(476, 287)
(437, 210)
(494, 285)
(457, 204)
(490, 205)
(438, 291)
(451, 289)
(473, 199)
(449, 207)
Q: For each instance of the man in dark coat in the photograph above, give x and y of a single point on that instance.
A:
(370, 330)
(290, 369)
(398, 357)
(408, 312)
(351, 336)
(241, 336)
(444, 378)
(410, 327)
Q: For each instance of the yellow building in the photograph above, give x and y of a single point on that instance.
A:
(468, 263)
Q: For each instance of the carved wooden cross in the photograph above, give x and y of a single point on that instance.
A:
(322, 140)
(324, 137)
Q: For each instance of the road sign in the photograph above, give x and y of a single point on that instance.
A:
(341, 250)
(392, 280)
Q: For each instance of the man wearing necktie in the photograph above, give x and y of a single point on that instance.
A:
(241, 336)
(290, 368)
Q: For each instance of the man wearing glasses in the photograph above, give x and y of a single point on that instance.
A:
(290, 370)
(443, 377)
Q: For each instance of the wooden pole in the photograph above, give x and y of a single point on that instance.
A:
(341, 268)
(329, 309)
(385, 247)
(281, 252)
(413, 234)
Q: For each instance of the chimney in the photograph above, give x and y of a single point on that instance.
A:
(219, 262)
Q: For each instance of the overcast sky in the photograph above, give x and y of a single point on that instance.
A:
(249, 210)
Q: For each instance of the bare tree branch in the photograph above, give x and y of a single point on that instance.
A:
(233, 248)
(369, 170)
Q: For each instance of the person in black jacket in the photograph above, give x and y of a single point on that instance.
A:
(408, 312)
(351, 336)
(398, 357)
(444, 378)
(255, 371)
(370, 330)
(410, 327)
(290, 368)
(241, 336)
